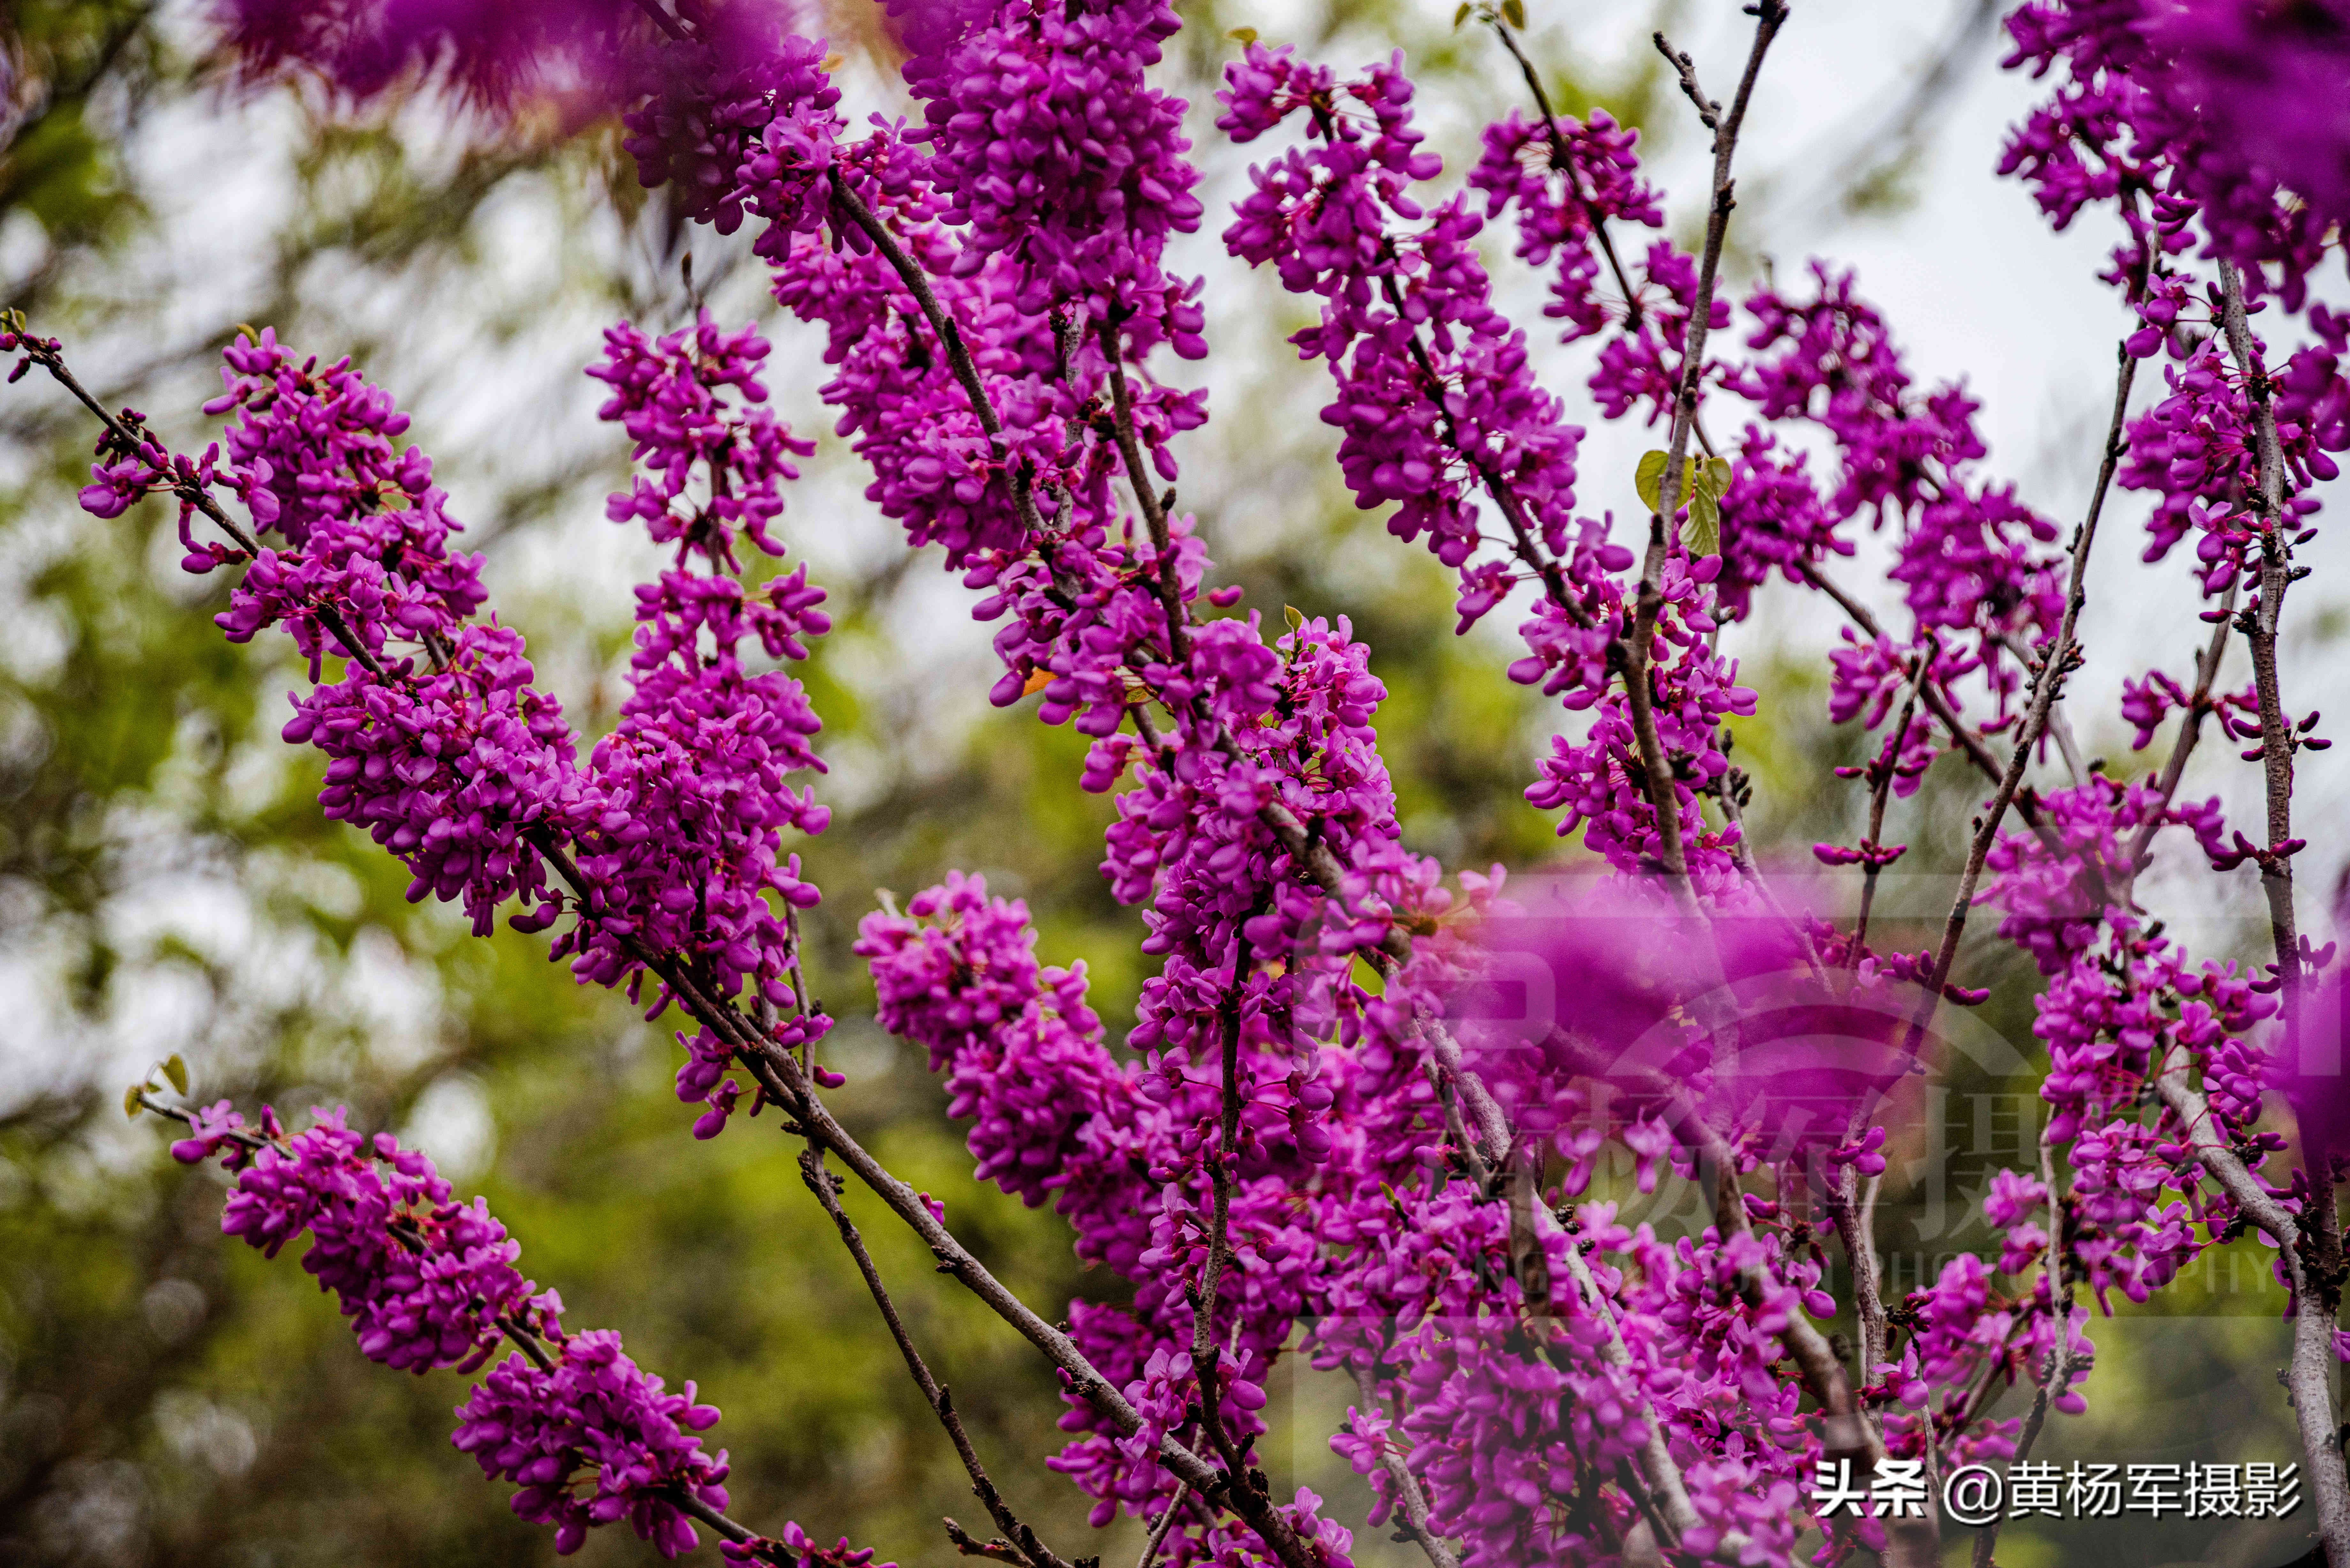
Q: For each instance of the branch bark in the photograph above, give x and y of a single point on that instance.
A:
(2308, 1376)
(1637, 647)
(1410, 1502)
(2045, 687)
(1031, 1550)
(2260, 627)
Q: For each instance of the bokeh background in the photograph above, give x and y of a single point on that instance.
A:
(166, 884)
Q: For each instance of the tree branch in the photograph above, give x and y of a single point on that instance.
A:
(821, 1181)
(1410, 1502)
(2308, 1376)
(2190, 726)
(780, 1074)
(1205, 1354)
(1638, 646)
(1564, 163)
(1146, 495)
(1882, 787)
(2049, 681)
(1165, 1522)
(950, 338)
(2260, 626)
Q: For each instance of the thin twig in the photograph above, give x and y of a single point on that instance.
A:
(2056, 1373)
(1854, 1229)
(515, 1330)
(779, 1074)
(997, 1551)
(1564, 162)
(1636, 648)
(2059, 728)
(820, 1182)
(950, 338)
(2045, 687)
(2308, 1376)
(1314, 858)
(1165, 1522)
(1146, 495)
(1727, 792)
(2190, 726)
(1221, 1160)
(1880, 788)
(1410, 1502)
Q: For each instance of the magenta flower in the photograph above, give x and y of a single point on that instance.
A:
(1729, 1025)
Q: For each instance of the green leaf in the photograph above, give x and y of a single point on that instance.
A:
(1715, 481)
(130, 1106)
(1461, 15)
(1705, 524)
(1648, 479)
(1515, 13)
(1294, 616)
(177, 1071)
(1242, 35)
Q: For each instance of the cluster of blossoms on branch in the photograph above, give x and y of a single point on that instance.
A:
(1324, 1138)
(430, 1282)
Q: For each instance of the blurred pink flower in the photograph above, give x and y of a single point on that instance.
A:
(588, 55)
(1725, 1019)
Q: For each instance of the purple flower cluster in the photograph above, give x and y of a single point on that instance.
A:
(1051, 148)
(438, 745)
(1598, 182)
(739, 124)
(1377, 1242)
(2223, 113)
(1438, 402)
(680, 814)
(1969, 561)
(592, 1439)
(429, 1283)
(426, 1282)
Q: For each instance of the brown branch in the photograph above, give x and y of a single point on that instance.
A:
(1165, 1522)
(950, 338)
(1727, 792)
(2308, 1374)
(1852, 1219)
(1564, 163)
(2056, 1373)
(1220, 1162)
(517, 1332)
(2260, 626)
(997, 1551)
(1882, 786)
(1770, 16)
(782, 1077)
(1938, 700)
(1666, 1487)
(1410, 1502)
(2199, 707)
(821, 1182)
(663, 20)
(1637, 647)
(1146, 495)
(2046, 684)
